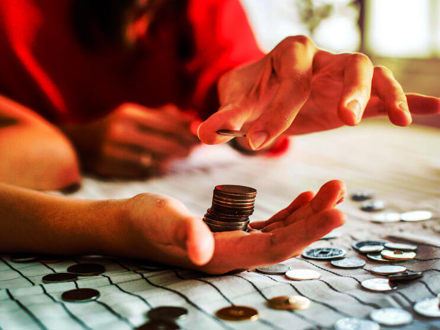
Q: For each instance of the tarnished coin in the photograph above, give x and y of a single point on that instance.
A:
(428, 307)
(167, 313)
(371, 249)
(386, 217)
(391, 317)
(158, 325)
(400, 246)
(59, 277)
(378, 257)
(231, 132)
(278, 269)
(237, 313)
(233, 189)
(419, 215)
(80, 295)
(405, 276)
(363, 246)
(361, 195)
(86, 269)
(378, 284)
(289, 303)
(387, 270)
(373, 206)
(352, 323)
(302, 274)
(398, 255)
(21, 258)
(323, 253)
(348, 263)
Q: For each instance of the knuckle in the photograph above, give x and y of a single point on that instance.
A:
(361, 59)
(292, 43)
(383, 70)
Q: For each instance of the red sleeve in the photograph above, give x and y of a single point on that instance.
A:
(224, 40)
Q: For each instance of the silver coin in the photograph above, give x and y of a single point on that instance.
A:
(170, 313)
(352, 323)
(391, 316)
(400, 246)
(323, 253)
(59, 277)
(80, 295)
(361, 195)
(398, 255)
(428, 307)
(378, 257)
(371, 249)
(357, 245)
(231, 132)
(302, 274)
(419, 215)
(373, 206)
(386, 270)
(378, 284)
(386, 217)
(348, 263)
(278, 269)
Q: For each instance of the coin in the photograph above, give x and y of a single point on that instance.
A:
(399, 255)
(158, 325)
(233, 189)
(428, 307)
(386, 217)
(278, 269)
(400, 246)
(391, 317)
(289, 303)
(352, 323)
(378, 257)
(373, 206)
(86, 269)
(80, 295)
(361, 195)
(167, 313)
(405, 276)
(348, 263)
(378, 284)
(237, 313)
(302, 274)
(357, 245)
(231, 132)
(323, 253)
(371, 249)
(419, 215)
(21, 257)
(386, 270)
(59, 277)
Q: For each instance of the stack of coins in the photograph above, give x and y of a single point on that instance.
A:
(232, 205)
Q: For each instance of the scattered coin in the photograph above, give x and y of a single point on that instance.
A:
(302, 274)
(80, 295)
(371, 249)
(419, 215)
(358, 245)
(237, 313)
(86, 269)
(352, 323)
(361, 195)
(386, 270)
(289, 303)
(378, 257)
(21, 257)
(391, 317)
(169, 313)
(405, 276)
(400, 246)
(386, 217)
(398, 255)
(378, 284)
(158, 325)
(278, 269)
(231, 132)
(373, 206)
(59, 277)
(323, 253)
(348, 263)
(428, 307)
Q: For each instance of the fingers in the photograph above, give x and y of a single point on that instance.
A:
(393, 96)
(422, 104)
(199, 241)
(356, 92)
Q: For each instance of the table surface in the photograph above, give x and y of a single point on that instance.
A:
(400, 165)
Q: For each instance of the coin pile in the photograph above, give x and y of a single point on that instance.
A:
(232, 205)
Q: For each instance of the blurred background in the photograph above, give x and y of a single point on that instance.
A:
(403, 35)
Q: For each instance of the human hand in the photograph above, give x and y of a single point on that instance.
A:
(134, 141)
(298, 88)
(161, 229)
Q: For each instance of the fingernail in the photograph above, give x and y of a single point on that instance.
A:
(258, 139)
(355, 107)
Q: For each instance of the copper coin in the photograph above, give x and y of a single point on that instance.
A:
(59, 277)
(405, 276)
(167, 313)
(86, 269)
(158, 325)
(80, 295)
(398, 255)
(237, 313)
(289, 303)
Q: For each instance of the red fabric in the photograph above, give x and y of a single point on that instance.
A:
(44, 67)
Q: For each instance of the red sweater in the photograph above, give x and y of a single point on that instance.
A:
(44, 67)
